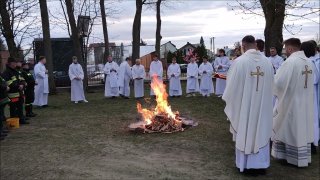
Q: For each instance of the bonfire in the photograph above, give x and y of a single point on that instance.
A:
(161, 118)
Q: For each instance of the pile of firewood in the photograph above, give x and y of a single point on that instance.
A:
(165, 124)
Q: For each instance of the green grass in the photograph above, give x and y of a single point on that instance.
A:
(91, 141)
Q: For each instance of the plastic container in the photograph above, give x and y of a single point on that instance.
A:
(13, 123)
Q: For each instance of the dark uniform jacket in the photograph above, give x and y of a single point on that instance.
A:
(29, 90)
(3, 92)
(13, 79)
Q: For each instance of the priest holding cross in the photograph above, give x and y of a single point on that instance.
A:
(293, 112)
(248, 97)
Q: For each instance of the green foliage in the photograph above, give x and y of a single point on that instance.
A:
(201, 51)
(178, 54)
(170, 55)
(201, 41)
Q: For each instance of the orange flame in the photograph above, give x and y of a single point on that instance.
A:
(162, 107)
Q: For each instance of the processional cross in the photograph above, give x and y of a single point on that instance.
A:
(306, 73)
(258, 74)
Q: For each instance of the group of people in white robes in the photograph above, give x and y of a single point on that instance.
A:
(204, 72)
(290, 125)
(117, 78)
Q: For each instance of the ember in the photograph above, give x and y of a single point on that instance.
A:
(161, 119)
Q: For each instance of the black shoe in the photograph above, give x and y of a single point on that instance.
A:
(250, 172)
(26, 119)
(1, 138)
(44, 106)
(24, 122)
(313, 149)
(126, 97)
(4, 134)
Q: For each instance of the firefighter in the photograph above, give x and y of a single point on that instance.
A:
(3, 101)
(16, 84)
(29, 90)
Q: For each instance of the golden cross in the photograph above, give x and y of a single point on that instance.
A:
(258, 73)
(306, 72)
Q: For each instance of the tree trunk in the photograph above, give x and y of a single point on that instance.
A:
(7, 30)
(77, 47)
(47, 43)
(136, 29)
(158, 31)
(274, 13)
(105, 30)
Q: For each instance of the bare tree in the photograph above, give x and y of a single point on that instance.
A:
(7, 30)
(136, 29)
(75, 37)
(47, 43)
(158, 30)
(18, 23)
(275, 13)
(105, 29)
(87, 8)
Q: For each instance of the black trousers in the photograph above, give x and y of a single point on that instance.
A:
(16, 109)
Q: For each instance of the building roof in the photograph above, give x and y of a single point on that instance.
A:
(169, 42)
(192, 45)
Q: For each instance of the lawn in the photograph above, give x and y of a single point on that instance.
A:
(91, 141)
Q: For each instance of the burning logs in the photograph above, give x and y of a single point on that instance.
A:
(163, 124)
(161, 118)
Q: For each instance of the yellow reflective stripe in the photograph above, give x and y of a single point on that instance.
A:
(10, 82)
(21, 78)
(13, 78)
(13, 95)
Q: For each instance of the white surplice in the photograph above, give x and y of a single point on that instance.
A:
(192, 78)
(138, 75)
(248, 100)
(124, 78)
(174, 72)
(156, 70)
(41, 90)
(77, 92)
(316, 62)
(293, 113)
(111, 70)
(221, 83)
(206, 84)
(276, 61)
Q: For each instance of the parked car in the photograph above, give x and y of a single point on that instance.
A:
(61, 79)
(97, 76)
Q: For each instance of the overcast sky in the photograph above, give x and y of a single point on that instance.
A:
(186, 21)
